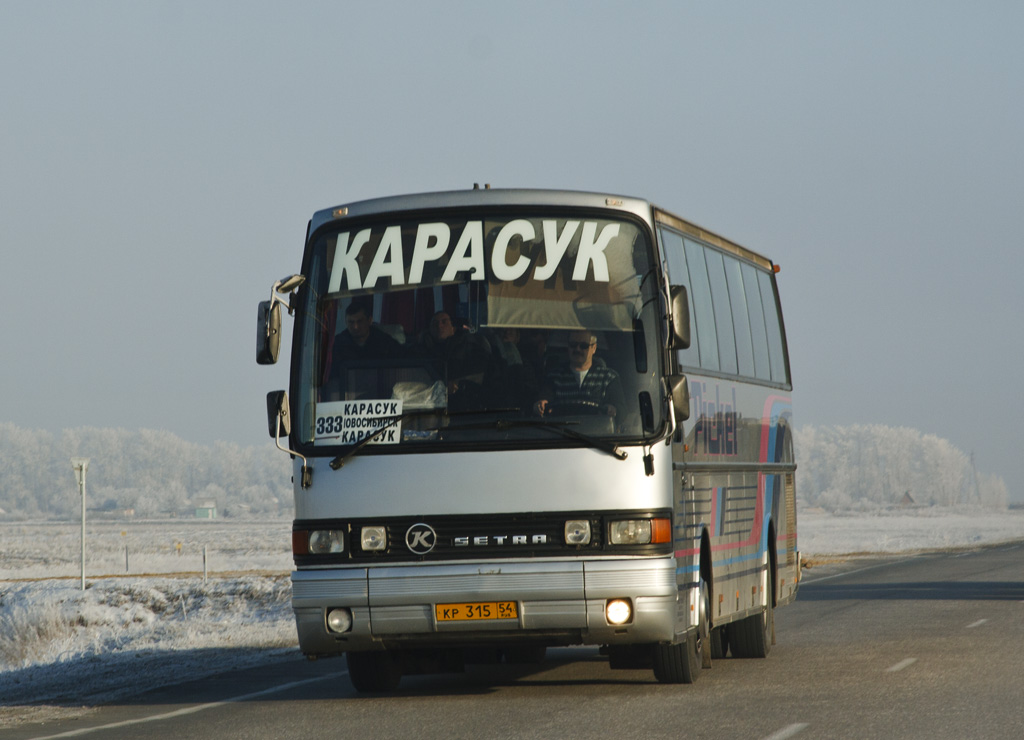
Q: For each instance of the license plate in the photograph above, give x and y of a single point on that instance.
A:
(476, 610)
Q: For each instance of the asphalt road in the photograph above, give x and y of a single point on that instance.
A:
(929, 646)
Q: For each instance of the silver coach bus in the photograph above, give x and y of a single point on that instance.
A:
(523, 419)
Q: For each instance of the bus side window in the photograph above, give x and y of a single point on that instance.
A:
(703, 316)
(758, 332)
(776, 354)
(672, 246)
(723, 311)
(740, 317)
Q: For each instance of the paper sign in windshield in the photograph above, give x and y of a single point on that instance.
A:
(349, 422)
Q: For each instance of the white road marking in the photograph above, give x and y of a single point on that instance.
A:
(972, 625)
(787, 732)
(901, 665)
(193, 709)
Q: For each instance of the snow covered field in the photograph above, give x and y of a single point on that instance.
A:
(155, 624)
(905, 530)
(160, 621)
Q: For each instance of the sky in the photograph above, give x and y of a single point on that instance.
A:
(159, 163)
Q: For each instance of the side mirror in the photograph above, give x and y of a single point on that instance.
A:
(278, 416)
(279, 419)
(680, 318)
(268, 332)
(680, 390)
(268, 320)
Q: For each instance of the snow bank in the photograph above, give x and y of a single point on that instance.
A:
(120, 635)
(155, 624)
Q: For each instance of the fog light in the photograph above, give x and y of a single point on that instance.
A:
(326, 541)
(577, 532)
(374, 539)
(618, 611)
(339, 620)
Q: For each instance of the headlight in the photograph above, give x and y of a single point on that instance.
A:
(373, 539)
(326, 541)
(577, 532)
(640, 531)
(630, 532)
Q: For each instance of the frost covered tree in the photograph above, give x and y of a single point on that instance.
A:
(152, 472)
(875, 466)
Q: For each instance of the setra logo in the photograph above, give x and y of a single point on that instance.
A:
(420, 538)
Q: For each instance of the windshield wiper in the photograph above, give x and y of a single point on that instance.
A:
(348, 454)
(563, 429)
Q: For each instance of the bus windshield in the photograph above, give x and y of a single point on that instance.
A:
(479, 330)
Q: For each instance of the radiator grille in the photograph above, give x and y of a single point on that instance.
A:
(464, 537)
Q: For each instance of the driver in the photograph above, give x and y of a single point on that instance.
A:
(584, 382)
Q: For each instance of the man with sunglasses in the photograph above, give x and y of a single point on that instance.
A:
(584, 385)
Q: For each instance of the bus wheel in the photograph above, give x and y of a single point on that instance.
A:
(752, 637)
(678, 662)
(681, 662)
(719, 642)
(373, 672)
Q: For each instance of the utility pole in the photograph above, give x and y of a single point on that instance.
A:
(81, 464)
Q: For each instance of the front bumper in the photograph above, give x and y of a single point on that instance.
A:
(559, 602)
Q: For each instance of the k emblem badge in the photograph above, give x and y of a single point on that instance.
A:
(420, 538)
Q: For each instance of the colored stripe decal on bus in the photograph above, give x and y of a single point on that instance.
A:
(776, 409)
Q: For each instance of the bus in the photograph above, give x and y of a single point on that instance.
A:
(523, 419)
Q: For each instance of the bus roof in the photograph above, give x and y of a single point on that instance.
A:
(482, 197)
(530, 197)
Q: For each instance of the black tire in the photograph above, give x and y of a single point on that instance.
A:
(373, 672)
(677, 663)
(752, 637)
(719, 642)
(682, 662)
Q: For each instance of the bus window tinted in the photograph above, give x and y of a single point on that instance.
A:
(703, 308)
(672, 244)
(774, 328)
(740, 317)
(735, 324)
(758, 334)
(723, 311)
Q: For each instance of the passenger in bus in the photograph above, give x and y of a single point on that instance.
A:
(469, 371)
(361, 339)
(433, 340)
(537, 363)
(533, 348)
(583, 385)
(465, 361)
(515, 384)
(441, 326)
